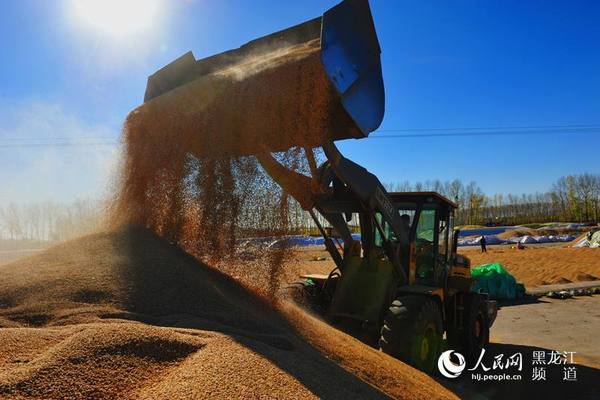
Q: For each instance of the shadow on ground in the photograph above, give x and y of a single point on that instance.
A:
(527, 299)
(192, 295)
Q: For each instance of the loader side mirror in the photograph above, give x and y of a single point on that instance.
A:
(455, 241)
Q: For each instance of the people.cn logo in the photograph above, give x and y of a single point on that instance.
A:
(449, 368)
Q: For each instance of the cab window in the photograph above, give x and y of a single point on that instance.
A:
(426, 247)
(408, 214)
(426, 227)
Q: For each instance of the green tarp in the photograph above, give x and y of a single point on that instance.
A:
(494, 280)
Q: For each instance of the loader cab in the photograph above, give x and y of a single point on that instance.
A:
(430, 218)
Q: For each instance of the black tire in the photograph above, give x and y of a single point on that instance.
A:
(475, 332)
(477, 327)
(304, 294)
(412, 331)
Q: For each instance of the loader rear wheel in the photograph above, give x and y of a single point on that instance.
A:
(412, 331)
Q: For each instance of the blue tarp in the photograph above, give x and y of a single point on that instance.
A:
(294, 240)
(484, 231)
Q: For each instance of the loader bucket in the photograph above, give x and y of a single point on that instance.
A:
(305, 85)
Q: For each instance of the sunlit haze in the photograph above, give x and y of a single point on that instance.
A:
(116, 18)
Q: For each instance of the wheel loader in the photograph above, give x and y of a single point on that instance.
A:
(402, 287)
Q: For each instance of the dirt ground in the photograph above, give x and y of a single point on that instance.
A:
(11, 250)
(7, 256)
(545, 326)
(562, 325)
(126, 315)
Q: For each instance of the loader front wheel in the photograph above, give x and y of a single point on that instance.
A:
(473, 334)
(412, 331)
(477, 327)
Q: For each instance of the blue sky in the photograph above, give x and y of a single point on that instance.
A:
(446, 65)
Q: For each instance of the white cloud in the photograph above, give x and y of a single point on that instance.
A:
(61, 173)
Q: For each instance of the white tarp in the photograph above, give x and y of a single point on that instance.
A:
(491, 239)
(476, 241)
(592, 241)
(528, 240)
(572, 225)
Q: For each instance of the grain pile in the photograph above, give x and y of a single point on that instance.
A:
(189, 171)
(127, 315)
(542, 265)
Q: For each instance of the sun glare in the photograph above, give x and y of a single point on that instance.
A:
(117, 18)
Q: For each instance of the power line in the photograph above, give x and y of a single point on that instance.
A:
(57, 144)
(487, 133)
(482, 128)
(13, 142)
(26, 139)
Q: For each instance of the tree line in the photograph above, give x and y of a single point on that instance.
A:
(571, 198)
(50, 220)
